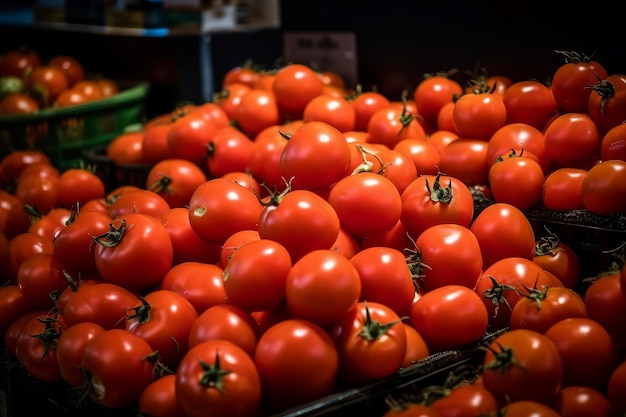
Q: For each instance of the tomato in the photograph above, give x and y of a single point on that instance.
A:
(159, 398)
(385, 277)
(368, 204)
(230, 97)
(606, 305)
(187, 245)
(573, 140)
(528, 408)
(416, 348)
(200, 283)
(529, 102)
(189, 137)
(466, 160)
(433, 92)
(559, 258)
(154, 147)
(603, 189)
(314, 145)
(301, 221)
(136, 253)
(258, 110)
(571, 81)
(297, 361)
(449, 317)
(370, 333)
(142, 201)
(90, 89)
(615, 389)
(540, 308)
(7, 202)
(70, 98)
(516, 180)
(35, 346)
(445, 118)
(126, 148)
(500, 285)
(295, 85)
(266, 154)
(71, 66)
(365, 104)
(77, 186)
(163, 319)
(522, 365)
(49, 81)
(466, 400)
(613, 144)
(38, 276)
(478, 116)
(581, 401)
(397, 167)
(16, 161)
(245, 74)
(233, 242)
(18, 103)
(435, 199)
(175, 180)
(212, 112)
(39, 192)
(13, 305)
(70, 348)
(226, 322)
(520, 137)
(389, 125)
(218, 208)
(314, 276)
(255, 276)
(17, 62)
(108, 87)
(422, 152)
(229, 150)
(436, 246)
(245, 179)
(562, 189)
(336, 111)
(23, 246)
(118, 366)
(503, 231)
(607, 102)
(50, 224)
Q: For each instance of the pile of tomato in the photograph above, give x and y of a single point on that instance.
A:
(29, 83)
(294, 237)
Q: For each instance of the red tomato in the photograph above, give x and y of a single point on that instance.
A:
(435, 199)
(42, 193)
(606, 305)
(478, 116)
(200, 283)
(313, 277)
(245, 74)
(70, 348)
(90, 90)
(155, 147)
(189, 137)
(365, 104)
(71, 66)
(558, 258)
(40, 275)
(445, 118)
(49, 81)
(126, 148)
(229, 150)
(213, 113)
(175, 180)
(385, 277)
(297, 361)
(389, 125)
(416, 347)
(607, 102)
(16, 161)
(23, 246)
(433, 92)
(398, 168)
(70, 98)
(522, 365)
(369, 333)
(266, 154)
(368, 204)
(159, 398)
(522, 138)
(466, 400)
(230, 97)
(466, 160)
(245, 179)
(573, 140)
(516, 180)
(295, 85)
(18, 103)
(528, 408)
(255, 276)
(316, 156)
(613, 144)
(50, 224)
(581, 401)
(503, 231)
(218, 208)
(562, 189)
(233, 242)
(529, 102)
(616, 388)
(13, 305)
(422, 152)
(17, 62)
(571, 81)
(257, 111)
(77, 186)
(226, 322)
(603, 188)
(449, 317)
(118, 366)
(336, 111)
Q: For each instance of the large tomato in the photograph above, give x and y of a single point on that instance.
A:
(581, 401)
(606, 305)
(139, 200)
(40, 275)
(571, 81)
(522, 365)
(78, 185)
(17, 62)
(562, 189)
(449, 317)
(136, 253)
(389, 125)
(299, 220)
(230, 97)
(336, 111)
(49, 81)
(200, 283)
(603, 188)
(18, 103)
(229, 150)
(297, 361)
(371, 333)
(424, 154)
(516, 180)
(573, 140)
(398, 168)
(72, 67)
(433, 92)
(189, 137)
(266, 154)
(155, 147)
(257, 111)
(70, 348)
(529, 102)
(159, 398)
(365, 104)
(119, 365)
(21, 247)
(466, 160)
(478, 116)
(295, 85)
(175, 179)
(520, 137)
(466, 400)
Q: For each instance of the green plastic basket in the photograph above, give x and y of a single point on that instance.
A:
(64, 134)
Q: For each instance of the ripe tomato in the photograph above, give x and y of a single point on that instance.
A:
(266, 154)
(397, 167)
(245, 74)
(562, 189)
(573, 140)
(70, 348)
(77, 186)
(212, 112)
(520, 137)
(368, 204)
(433, 92)
(13, 305)
(189, 137)
(159, 398)
(466, 400)
(17, 62)
(229, 150)
(42, 193)
(23, 246)
(478, 116)
(581, 401)
(603, 188)
(365, 104)
(522, 365)
(422, 152)
(416, 348)
(466, 160)
(255, 276)
(50, 224)
(558, 258)
(136, 253)
(16, 161)
(218, 208)
(607, 102)
(126, 148)
(233, 242)
(119, 367)
(571, 81)
(616, 387)
(435, 199)
(516, 180)
(389, 125)
(154, 146)
(18, 103)
(301, 221)
(295, 85)
(49, 81)
(449, 317)
(71, 66)
(606, 305)
(613, 144)
(369, 333)
(297, 361)
(200, 283)
(40, 275)
(90, 89)
(230, 97)
(175, 180)
(313, 277)
(529, 102)
(336, 111)
(70, 98)
(108, 87)
(385, 277)
(503, 231)
(257, 111)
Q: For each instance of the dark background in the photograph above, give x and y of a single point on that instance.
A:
(397, 42)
